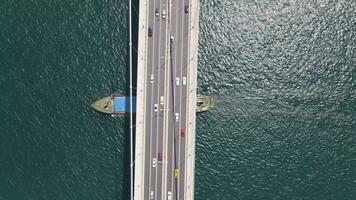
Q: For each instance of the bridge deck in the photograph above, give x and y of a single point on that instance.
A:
(166, 99)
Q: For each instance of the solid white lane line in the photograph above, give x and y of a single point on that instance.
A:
(170, 173)
(175, 151)
(165, 107)
(152, 72)
(158, 93)
(181, 90)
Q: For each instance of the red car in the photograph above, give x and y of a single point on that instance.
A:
(159, 157)
(182, 132)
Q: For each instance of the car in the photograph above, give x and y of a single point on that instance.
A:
(152, 194)
(161, 100)
(154, 162)
(184, 81)
(163, 14)
(177, 81)
(169, 196)
(156, 12)
(186, 9)
(172, 38)
(151, 78)
(182, 132)
(149, 32)
(176, 173)
(159, 157)
(177, 117)
(155, 107)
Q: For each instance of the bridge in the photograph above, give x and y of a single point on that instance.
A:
(166, 100)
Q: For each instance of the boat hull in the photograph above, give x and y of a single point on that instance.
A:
(204, 103)
(114, 105)
(104, 105)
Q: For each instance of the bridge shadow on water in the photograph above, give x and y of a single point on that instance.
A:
(126, 159)
(126, 150)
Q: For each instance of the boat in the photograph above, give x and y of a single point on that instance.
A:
(114, 105)
(120, 105)
(204, 103)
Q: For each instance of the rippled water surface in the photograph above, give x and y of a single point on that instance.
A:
(283, 74)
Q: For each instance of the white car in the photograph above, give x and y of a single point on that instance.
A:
(177, 117)
(172, 39)
(157, 12)
(151, 79)
(152, 194)
(154, 162)
(177, 81)
(162, 99)
(163, 14)
(184, 81)
(169, 196)
(155, 107)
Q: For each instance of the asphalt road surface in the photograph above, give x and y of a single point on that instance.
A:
(166, 99)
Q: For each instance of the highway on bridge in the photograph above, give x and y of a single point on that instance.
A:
(166, 99)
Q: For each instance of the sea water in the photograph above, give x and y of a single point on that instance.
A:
(282, 74)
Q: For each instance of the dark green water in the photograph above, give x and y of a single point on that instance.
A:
(283, 74)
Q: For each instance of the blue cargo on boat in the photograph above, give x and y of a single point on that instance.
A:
(122, 104)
